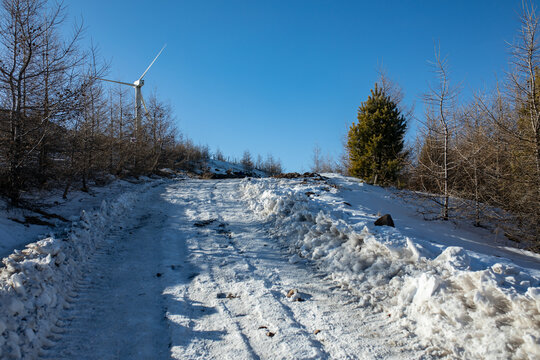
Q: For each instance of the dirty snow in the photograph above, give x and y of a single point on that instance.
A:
(36, 284)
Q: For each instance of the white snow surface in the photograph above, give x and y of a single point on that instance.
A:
(454, 292)
(267, 269)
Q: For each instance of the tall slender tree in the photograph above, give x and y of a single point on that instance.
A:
(440, 113)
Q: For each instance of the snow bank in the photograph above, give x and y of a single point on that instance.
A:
(445, 307)
(36, 283)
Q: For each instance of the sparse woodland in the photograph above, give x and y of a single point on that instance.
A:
(59, 125)
(483, 157)
(480, 159)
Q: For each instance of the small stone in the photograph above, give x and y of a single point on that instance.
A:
(270, 334)
(385, 220)
(316, 331)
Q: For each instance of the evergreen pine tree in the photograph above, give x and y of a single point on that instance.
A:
(375, 143)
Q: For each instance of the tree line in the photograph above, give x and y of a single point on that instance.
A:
(477, 159)
(60, 125)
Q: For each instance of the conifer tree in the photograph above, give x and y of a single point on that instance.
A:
(375, 144)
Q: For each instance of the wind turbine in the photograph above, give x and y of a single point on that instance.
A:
(138, 84)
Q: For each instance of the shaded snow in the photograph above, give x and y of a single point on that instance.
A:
(36, 283)
(14, 235)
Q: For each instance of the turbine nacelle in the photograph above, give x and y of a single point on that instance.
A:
(139, 83)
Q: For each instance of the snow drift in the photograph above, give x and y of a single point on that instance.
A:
(444, 305)
(37, 282)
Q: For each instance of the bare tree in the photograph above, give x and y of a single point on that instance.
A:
(259, 163)
(219, 155)
(474, 152)
(160, 133)
(36, 80)
(246, 161)
(435, 159)
(316, 166)
(395, 92)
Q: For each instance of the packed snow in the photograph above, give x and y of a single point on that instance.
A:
(267, 269)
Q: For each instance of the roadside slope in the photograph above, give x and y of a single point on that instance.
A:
(446, 287)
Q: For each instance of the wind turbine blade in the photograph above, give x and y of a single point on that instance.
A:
(114, 81)
(152, 63)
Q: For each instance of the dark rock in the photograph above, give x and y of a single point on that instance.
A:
(204, 222)
(385, 220)
(34, 220)
(227, 296)
(229, 174)
(295, 175)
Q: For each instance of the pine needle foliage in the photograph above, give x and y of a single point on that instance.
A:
(375, 143)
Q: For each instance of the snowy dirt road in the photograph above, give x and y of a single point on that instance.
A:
(195, 275)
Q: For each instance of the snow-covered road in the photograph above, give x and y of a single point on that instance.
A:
(194, 274)
(118, 312)
(267, 269)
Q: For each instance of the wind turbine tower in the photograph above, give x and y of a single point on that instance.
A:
(139, 100)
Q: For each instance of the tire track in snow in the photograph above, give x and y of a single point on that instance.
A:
(236, 256)
(117, 312)
(238, 327)
(272, 301)
(124, 311)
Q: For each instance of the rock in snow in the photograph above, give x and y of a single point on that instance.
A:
(385, 220)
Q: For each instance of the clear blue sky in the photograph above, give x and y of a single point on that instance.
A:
(280, 76)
